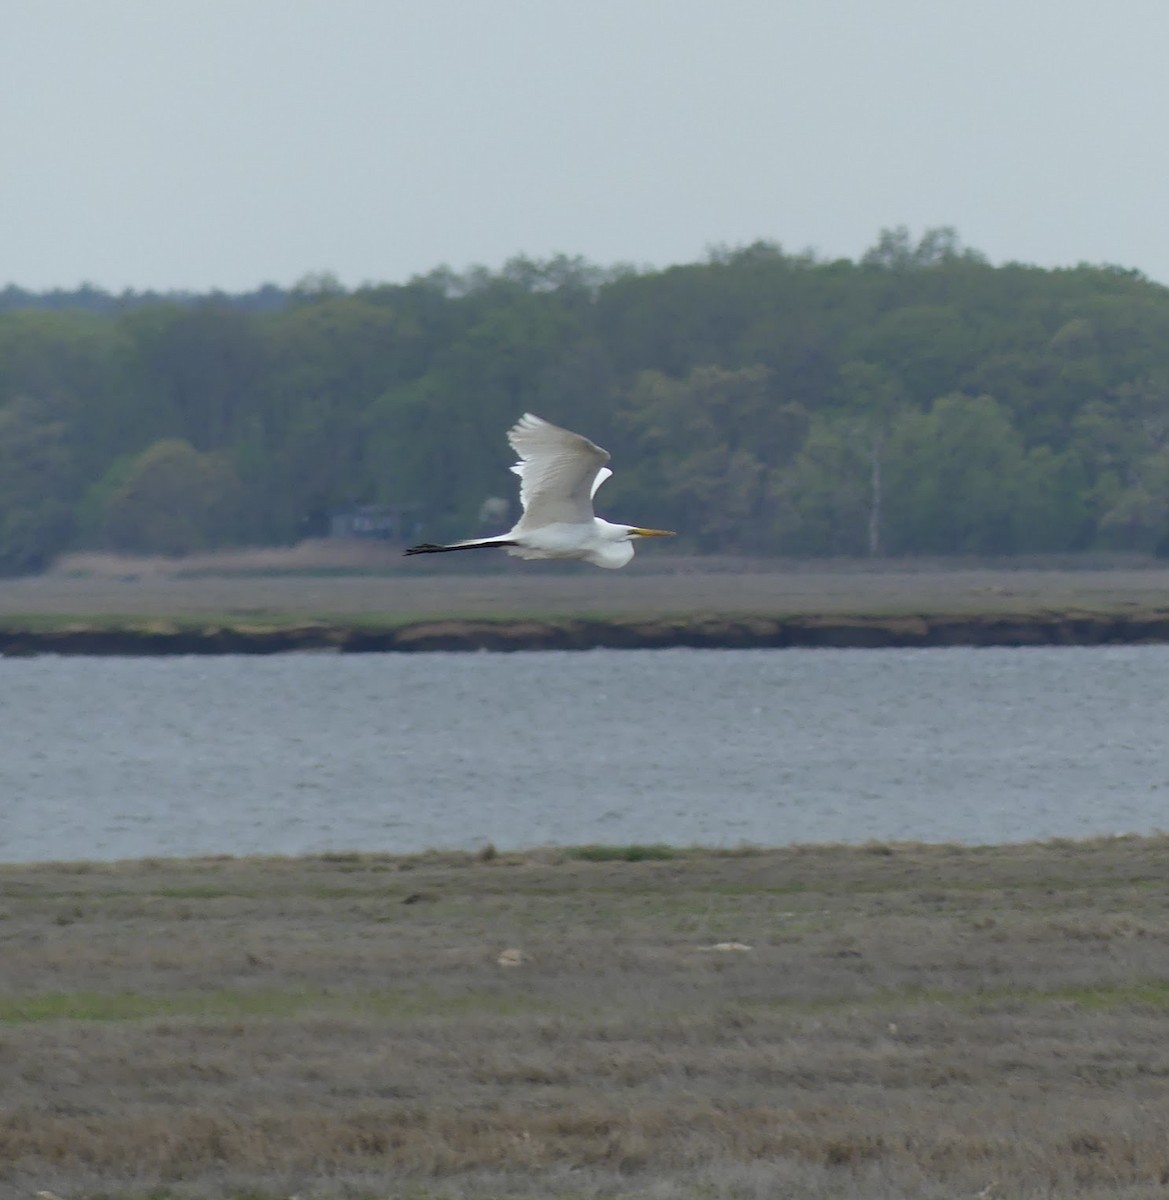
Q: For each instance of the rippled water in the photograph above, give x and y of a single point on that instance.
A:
(113, 758)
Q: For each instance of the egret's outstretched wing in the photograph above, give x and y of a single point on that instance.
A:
(559, 472)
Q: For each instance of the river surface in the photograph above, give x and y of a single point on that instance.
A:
(106, 758)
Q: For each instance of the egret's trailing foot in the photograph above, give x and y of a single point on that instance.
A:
(431, 548)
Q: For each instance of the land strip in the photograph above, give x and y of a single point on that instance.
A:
(823, 1021)
(245, 605)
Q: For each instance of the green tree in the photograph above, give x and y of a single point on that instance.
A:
(38, 485)
(171, 499)
(871, 395)
(756, 399)
(823, 499)
(1052, 511)
(953, 476)
(1125, 437)
(712, 441)
(895, 250)
(196, 372)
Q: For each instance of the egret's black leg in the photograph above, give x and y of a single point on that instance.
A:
(430, 548)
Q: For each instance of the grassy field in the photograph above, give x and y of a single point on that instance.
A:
(879, 1021)
(378, 586)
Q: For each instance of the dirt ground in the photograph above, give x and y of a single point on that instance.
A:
(330, 580)
(877, 1021)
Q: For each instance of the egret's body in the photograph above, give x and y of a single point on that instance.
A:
(559, 475)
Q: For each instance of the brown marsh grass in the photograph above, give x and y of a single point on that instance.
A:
(323, 580)
(908, 1021)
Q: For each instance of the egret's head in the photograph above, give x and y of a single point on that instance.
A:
(637, 532)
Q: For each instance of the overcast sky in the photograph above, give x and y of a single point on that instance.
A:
(198, 144)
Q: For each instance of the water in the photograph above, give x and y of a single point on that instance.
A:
(115, 758)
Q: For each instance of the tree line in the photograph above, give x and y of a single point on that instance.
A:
(916, 401)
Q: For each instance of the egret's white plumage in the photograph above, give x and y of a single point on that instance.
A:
(559, 472)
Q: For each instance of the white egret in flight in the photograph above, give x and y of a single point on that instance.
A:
(559, 475)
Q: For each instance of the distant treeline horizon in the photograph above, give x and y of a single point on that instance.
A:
(916, 401)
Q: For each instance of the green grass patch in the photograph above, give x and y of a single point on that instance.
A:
(197, 892)
(1145, 994)
(415, 1004)
(198, 622)
(1150, 993)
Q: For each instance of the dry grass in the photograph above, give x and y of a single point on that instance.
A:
(331, 580)
(910, 1021)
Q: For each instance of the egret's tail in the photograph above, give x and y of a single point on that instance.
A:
(473, 544)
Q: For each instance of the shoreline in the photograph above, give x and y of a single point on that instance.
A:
(146, 637)
(595, 856)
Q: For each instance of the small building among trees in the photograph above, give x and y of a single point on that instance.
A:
(387, 522)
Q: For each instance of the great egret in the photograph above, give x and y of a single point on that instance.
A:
(559, 475)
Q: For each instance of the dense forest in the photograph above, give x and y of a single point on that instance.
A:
(918, 401)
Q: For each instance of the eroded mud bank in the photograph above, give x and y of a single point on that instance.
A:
(162, 638)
